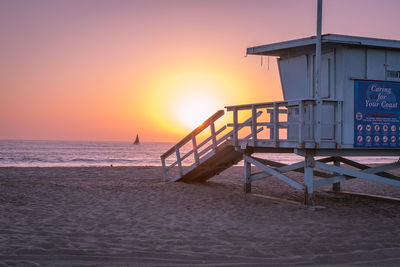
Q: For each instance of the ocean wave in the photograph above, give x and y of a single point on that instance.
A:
(45, 162)
(69, 153)
(103, 160)
(79, 154)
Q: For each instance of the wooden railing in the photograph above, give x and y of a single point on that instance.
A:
(199, 155)
(300, 126)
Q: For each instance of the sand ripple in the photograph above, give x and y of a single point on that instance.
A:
(125, 216)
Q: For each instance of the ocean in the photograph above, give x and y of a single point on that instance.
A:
(17, 153)
(77, 154)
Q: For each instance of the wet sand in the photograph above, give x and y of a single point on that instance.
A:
(126, 216)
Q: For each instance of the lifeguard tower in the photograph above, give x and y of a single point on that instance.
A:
(341, 98)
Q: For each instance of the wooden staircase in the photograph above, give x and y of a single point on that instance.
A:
(210, 157)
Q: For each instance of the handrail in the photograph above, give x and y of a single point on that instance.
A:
(192, 137)
(200, 155)
(196, 131)
(304, 118)
(279, 103)
(229, 134)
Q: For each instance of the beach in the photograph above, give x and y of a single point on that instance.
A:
(127, 216)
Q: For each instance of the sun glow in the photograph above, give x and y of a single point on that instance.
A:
(196, 107)
(181, 100)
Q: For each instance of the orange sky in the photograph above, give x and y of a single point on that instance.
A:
(106, 70)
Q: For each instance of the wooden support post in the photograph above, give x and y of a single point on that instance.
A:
(272, 171)
(178, 159)
(276, 121)
(317, 76)
(318, 126)
(271, 120)
(338, 123)
(235, 126)
(254, 124)
(164, 169)
(311, 121)
(336, 186)
(247, 173)
(301, 125)
(213, 137)
(195, 150)
(309, 180)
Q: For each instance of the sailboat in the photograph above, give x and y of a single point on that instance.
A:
(136, 140)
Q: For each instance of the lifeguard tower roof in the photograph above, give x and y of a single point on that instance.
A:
(276, 49)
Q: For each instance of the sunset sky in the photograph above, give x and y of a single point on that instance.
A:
(107, 70)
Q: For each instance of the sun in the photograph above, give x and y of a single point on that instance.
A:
(196, 107)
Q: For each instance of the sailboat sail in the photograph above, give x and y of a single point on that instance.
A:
(136, 140)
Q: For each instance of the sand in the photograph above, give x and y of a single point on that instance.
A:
(126, 216)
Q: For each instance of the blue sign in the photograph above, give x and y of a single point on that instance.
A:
(377, 114)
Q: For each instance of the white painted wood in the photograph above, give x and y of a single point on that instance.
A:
(235, 126)
(293, 71)
(275, 123)
(338, 123)
(301, 129)
(196, 131)
(179, 160)
(254, 124)
(301, 125)
(195, 149)
(209, 138)
(307, 70)
(164, 169)
(327, 75)
(376, 59)
(251, 136)
(205, 153)
(213, 136)
(171, 166)
(332, 180)
(282, 169)
(309, 174)
(393, 64)
(370, 170)
(327, 118)
(280, 49)
(357, 174)
(273, 172)
(336, 185)
(318, 45)
(192, 138)
(247, 172)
